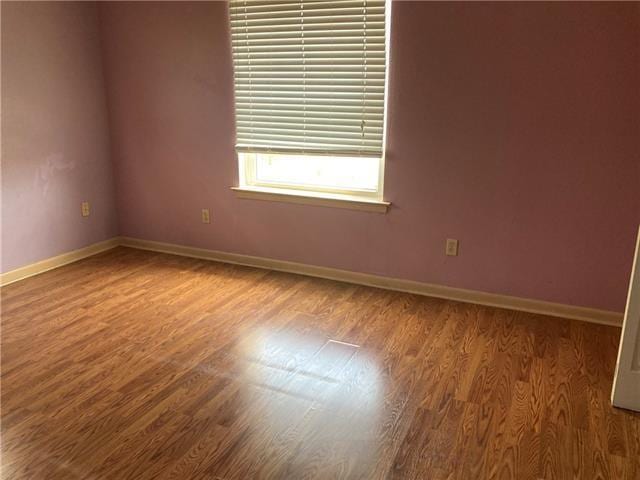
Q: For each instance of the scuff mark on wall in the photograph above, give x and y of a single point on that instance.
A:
(46, 172)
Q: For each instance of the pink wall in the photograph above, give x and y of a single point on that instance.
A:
(55, 143)
(512, 127)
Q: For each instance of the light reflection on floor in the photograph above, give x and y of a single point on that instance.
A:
(310, 391)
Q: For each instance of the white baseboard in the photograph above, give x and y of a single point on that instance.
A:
(439, 291)
(57, 261)
(450, 293)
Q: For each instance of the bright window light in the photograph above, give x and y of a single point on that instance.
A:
(351, 173)
(347, 175)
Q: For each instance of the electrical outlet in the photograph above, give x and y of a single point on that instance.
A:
(452, 247)
(85, 209)
(205, 216)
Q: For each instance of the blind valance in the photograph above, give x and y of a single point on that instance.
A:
(309, 76)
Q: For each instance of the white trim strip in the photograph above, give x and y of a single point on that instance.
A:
(625, 392)
(344, 343)
(311, 198)
(57, 261)
(592, 315)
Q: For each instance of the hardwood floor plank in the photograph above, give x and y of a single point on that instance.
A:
(140, 365)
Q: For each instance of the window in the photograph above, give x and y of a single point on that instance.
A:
(310, 96)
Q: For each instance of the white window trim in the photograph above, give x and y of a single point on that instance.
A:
(322, 199)
(249, 188)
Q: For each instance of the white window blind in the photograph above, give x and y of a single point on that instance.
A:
(309, 76)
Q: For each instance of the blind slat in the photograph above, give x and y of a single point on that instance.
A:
(318, 130)
(277, 92)
(318, 109)
(277, 51)
(344, 118)
(316, 42)
(309, 76)
(348, 84)
(309, 59)
(266, 33)
(355, 9)
(286, 17)
(319, 125)
(275, 6)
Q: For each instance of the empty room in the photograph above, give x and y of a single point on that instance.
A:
(320, 239)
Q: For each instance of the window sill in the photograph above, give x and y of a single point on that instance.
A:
(311, 198)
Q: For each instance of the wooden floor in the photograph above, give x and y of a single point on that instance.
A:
(136, 365)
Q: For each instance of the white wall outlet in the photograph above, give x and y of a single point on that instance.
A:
(205, 216)
(85, 209)
(452, 247)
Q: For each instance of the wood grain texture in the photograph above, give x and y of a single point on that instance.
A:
(140, 365)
